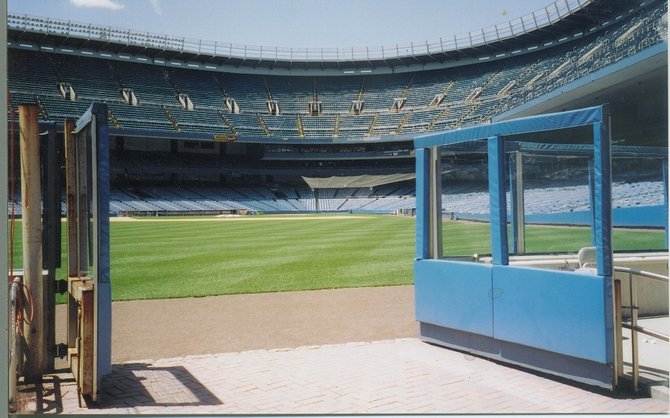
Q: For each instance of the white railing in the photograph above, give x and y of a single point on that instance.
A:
(538, 19)
(633, 326)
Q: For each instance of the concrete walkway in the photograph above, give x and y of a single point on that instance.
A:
(393, 376)
(224, 355)
(653, 355)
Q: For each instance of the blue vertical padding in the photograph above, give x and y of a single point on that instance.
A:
(602, 198)
(603, 223)
(592, 198)
(513, 192)
(104, 290)
(422, 206)
(499, 247)
(665, 199)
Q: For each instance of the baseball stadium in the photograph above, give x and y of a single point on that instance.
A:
(475, 224)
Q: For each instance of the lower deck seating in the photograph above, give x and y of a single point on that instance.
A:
(464, 198)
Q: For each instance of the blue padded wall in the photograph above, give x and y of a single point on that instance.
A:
(454, 294)
(557, 311)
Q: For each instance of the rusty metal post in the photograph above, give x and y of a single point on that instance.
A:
(32, 242)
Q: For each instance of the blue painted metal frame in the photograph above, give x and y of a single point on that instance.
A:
(96, 118)
(422, 206)
(561, 313)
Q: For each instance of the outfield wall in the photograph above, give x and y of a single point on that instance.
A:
(631, 217)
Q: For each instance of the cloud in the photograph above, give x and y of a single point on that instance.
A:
(156, 4)
(102, 4)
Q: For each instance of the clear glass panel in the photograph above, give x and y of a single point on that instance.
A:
(557, 204)
(638, 204)
(465, 202)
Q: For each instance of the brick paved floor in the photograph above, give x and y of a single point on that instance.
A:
(393, 376)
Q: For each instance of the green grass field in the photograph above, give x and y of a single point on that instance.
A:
(155, 258)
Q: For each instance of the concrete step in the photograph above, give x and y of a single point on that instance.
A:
(659, 392)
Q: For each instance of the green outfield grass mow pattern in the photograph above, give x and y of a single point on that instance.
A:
(156, 258)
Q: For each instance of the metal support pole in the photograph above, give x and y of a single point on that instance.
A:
(518, 223)
(514, 237)
(422, 206)
(51, 232)
(618, 335)
(521, 210)
(72, 199)
(633, 333)
(435, 204)
(34, 331)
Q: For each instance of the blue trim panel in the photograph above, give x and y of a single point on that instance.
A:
(546, 122)
(585, 150)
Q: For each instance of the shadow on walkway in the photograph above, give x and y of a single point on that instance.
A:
(40, 398)
(141, 384)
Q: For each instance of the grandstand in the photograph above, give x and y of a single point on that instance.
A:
(208, 132)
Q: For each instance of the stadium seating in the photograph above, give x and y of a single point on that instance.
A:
(434, 100)
(157, 88)
(470, 198)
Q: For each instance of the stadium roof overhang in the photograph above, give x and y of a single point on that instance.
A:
(635, 88)
(71, 38)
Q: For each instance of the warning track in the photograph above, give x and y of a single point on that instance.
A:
(237, 218)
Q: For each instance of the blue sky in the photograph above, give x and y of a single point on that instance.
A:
(294, 23)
